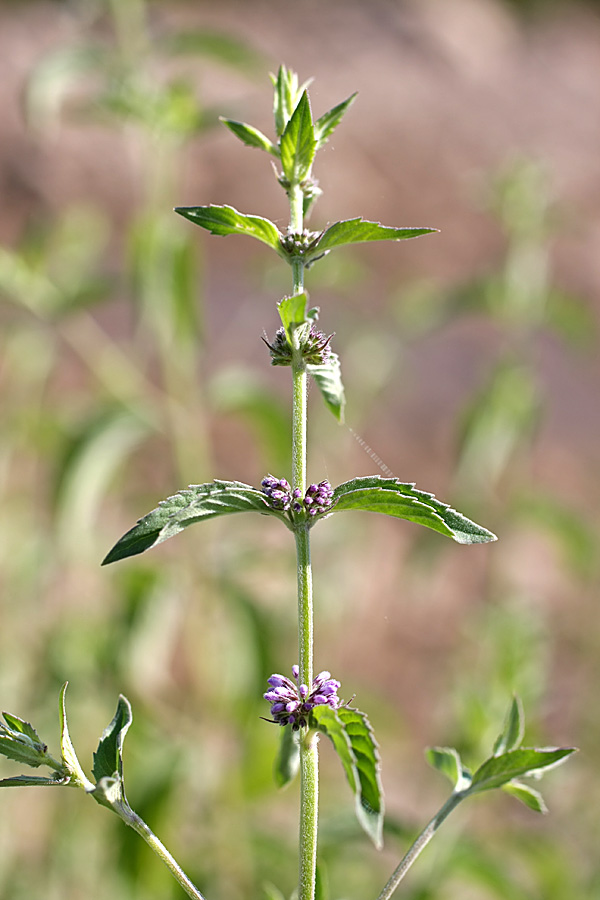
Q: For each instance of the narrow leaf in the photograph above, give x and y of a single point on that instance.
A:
(250, 136)
(288, 758)
(32, 781)
(328, 378)
(355, 231)
(108, 758)
(404, 501)
(297, 146)
(527, 795)
(327, 123)
(352, 737)
(292, 312)
(198, 503)
(514, 728)
(224, 220)
(447, 761)
(76, 774)
(499, 770)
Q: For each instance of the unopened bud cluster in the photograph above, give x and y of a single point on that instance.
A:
(298, 243)
(317, 499)
(315, 348)
(292, 703)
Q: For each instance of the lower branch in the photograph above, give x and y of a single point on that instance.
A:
(419, 845)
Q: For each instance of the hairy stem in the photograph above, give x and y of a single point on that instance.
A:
(134, 821)
(309, 760)
(419, 845)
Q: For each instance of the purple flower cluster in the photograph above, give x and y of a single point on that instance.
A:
(292, 703)
(278, 491)
(317, 498)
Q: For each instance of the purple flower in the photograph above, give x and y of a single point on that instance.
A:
(291, 702)
(316, 500)
(278, 491)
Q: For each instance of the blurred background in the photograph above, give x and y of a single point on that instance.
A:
(131, 365)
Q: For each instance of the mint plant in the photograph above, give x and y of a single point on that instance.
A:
(304, 706)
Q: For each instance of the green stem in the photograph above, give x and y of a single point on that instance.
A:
(134, 821)
(420, 844)
(309, 760)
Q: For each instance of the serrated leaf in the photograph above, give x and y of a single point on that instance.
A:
(352, 737)
(327, 123)
(76, 774)
(527, 795)
(224, 220)
(20, 742)
(447, 761)
(108, 758)
(292, 312)
(359, 230)
(511, 736)
(297, 146)
(287, 762)
(199, 502)
(250, 135)
(528, 761)
(404, 501)
(32, 781)
(328, 378)
(21, 727)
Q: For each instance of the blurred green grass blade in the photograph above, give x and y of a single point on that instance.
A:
(214, 45)
(236, 391)
(92, 458)
(55, 75)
